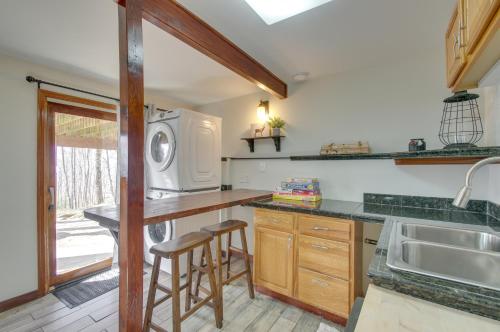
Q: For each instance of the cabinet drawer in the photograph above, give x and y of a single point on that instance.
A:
(327, 228)
(325, 256)
(324, 292)
(276, 220)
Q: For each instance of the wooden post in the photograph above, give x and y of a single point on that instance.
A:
(131, 164)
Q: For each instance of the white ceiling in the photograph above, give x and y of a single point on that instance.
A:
(338, 36)
(81, 36)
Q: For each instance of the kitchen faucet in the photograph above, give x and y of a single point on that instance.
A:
(463, 196)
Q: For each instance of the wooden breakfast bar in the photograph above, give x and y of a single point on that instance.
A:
(156, 211)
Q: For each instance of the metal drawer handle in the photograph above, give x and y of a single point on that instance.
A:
(318, 246)
(275, 221)
(289, 242)
(318, 228)
(319, 282)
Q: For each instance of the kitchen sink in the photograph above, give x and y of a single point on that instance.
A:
(468, 266)
(452, 236)
(469, 255)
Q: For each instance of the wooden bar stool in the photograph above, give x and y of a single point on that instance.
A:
(217, 231)
(172, 249)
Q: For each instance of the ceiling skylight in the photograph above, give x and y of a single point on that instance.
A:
(272, 11)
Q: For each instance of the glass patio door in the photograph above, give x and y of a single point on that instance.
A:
(83, 159)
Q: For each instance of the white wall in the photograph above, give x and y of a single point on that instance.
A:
(492, 110)
(18, 129)
(385, 105)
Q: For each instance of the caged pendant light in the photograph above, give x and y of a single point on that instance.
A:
(461, 125)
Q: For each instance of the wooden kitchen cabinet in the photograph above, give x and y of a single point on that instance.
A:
(326, 292)
(273, 260)
(455, 56)
(313, 262)
(472, 42)
(324, 256)
(476, 16)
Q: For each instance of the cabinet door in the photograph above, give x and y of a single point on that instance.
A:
(322, 291)
(280, 221)
(455, 58)
(325, 227)
(324, 256)
(274, 260)
(477, 15)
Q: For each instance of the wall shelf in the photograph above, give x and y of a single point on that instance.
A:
(439, 160)
(427, 157)
(276, 139)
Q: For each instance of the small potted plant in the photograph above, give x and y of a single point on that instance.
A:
(276, 124)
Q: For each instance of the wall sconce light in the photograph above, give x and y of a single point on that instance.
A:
(263, 111)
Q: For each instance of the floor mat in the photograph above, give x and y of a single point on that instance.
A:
(84, 290)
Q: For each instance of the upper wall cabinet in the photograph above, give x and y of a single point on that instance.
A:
(472, 42)
(455, 57)
(476, 16)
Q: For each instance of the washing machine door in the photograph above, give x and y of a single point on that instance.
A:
(158, 233)
(160, 146)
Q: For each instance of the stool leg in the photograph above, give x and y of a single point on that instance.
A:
(189, 279)
(228, 255)
(198, 277)
(151, 294)
(217, 299)
(247, 263)
(219, 272)
(176, 299)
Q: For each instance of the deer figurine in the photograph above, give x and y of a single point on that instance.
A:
(260, 131)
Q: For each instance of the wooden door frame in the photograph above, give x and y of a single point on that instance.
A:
(43, 173)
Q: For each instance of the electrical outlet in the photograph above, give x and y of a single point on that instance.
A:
(244, 179)
(262, 166)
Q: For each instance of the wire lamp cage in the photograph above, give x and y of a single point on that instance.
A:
(461, 125)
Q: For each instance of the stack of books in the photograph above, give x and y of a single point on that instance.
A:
(300, 189)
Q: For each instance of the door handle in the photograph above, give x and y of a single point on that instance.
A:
(371, 241)
(319, 282)
(319, 246)
(319, 228)
(52, 198)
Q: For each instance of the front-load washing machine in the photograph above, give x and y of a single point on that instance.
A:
(183, 151)
(168, 230)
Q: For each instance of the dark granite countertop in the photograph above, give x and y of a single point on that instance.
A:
(477, 300)
(488, 151)
(387, 209)
(325, 207)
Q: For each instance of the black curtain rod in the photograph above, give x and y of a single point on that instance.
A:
(39, 82)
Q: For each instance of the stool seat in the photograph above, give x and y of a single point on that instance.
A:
(224, 227)
(217, 231)
(173, 250)
(181, 244)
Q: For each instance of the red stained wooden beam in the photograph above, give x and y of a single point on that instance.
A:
(173, 18)
(131, 164)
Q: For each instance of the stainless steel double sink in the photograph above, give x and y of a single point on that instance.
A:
(463, 253)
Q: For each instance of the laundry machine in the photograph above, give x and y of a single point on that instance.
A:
(168, 230)
(183, 151)
(183, 157)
